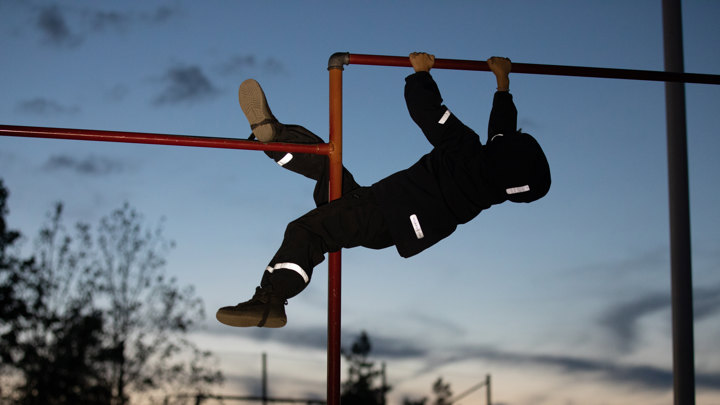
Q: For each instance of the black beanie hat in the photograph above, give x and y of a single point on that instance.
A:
(518, 165)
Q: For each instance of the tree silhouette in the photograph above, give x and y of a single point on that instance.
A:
(13, 308)
(51, 340)
(408, 401)
(148, 314)
(91, 317)
(362, 386)
(442, 392)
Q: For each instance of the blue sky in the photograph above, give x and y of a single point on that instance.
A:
(565, 300)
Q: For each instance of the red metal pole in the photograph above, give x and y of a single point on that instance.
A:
(334, 263)
(160, 139)
(532, 68)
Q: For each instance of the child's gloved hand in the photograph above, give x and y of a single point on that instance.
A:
(421, 61)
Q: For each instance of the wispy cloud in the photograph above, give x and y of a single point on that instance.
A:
(109, 20)
(636, 376)
(117, 92)
(120, 20)
(184, 84)
(706, 302)
(42, 106)
(90, 165)
(69, 25)
(442, 324)
(622, 320)
(316, 338)
(240, 64)
(54, 27)
(162, 14)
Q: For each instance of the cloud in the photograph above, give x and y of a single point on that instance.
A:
(706, 302)
(40, 105)
(70, 25)
(634, 376)
(162, 14)
(105, 20)
(185, 84)
(239, 64)
(394, 348)
(117, 92)
(622, 320)
(315, 338)
(91, 165)
(637, 376)
(442, 324)
(102, 20)
(54, 27)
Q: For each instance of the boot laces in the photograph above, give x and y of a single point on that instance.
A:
(265, 296)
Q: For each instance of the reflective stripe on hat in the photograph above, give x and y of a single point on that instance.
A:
(289, 266)
(517, 190)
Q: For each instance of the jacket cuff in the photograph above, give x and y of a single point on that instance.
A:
(418, 76)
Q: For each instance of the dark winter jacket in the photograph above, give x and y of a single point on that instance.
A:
(448, 186)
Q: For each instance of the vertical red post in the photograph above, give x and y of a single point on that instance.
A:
(334, 263)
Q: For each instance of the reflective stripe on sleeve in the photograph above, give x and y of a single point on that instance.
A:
(288, 157)
(445, 117)
(416, 226)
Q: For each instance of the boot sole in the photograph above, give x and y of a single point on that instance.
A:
(245, 320)
(254, 105)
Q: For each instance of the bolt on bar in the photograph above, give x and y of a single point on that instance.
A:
(160, 139)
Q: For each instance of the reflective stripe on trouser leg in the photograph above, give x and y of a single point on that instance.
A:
(313, 166)
(290, 266)
(285, 159)
(353, 220)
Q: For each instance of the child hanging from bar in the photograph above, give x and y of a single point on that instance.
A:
(412, 209)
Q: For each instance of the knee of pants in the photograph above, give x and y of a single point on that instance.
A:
(302, 245)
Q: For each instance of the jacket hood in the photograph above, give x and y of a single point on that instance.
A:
(518, 165)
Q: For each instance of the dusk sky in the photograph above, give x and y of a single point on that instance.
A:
(563, 301)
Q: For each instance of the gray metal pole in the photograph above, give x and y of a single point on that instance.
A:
(680, 258)
(264, 379)
(487, 389)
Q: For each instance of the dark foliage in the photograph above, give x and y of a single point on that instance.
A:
(90, 317)
(364, 385)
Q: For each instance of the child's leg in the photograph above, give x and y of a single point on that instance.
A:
(353, 220)
(267, 128)
(310, 165)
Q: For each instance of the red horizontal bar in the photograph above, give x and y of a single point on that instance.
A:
(160, 139)
(532, 68)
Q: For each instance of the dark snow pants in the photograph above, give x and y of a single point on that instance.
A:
(350, 221)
